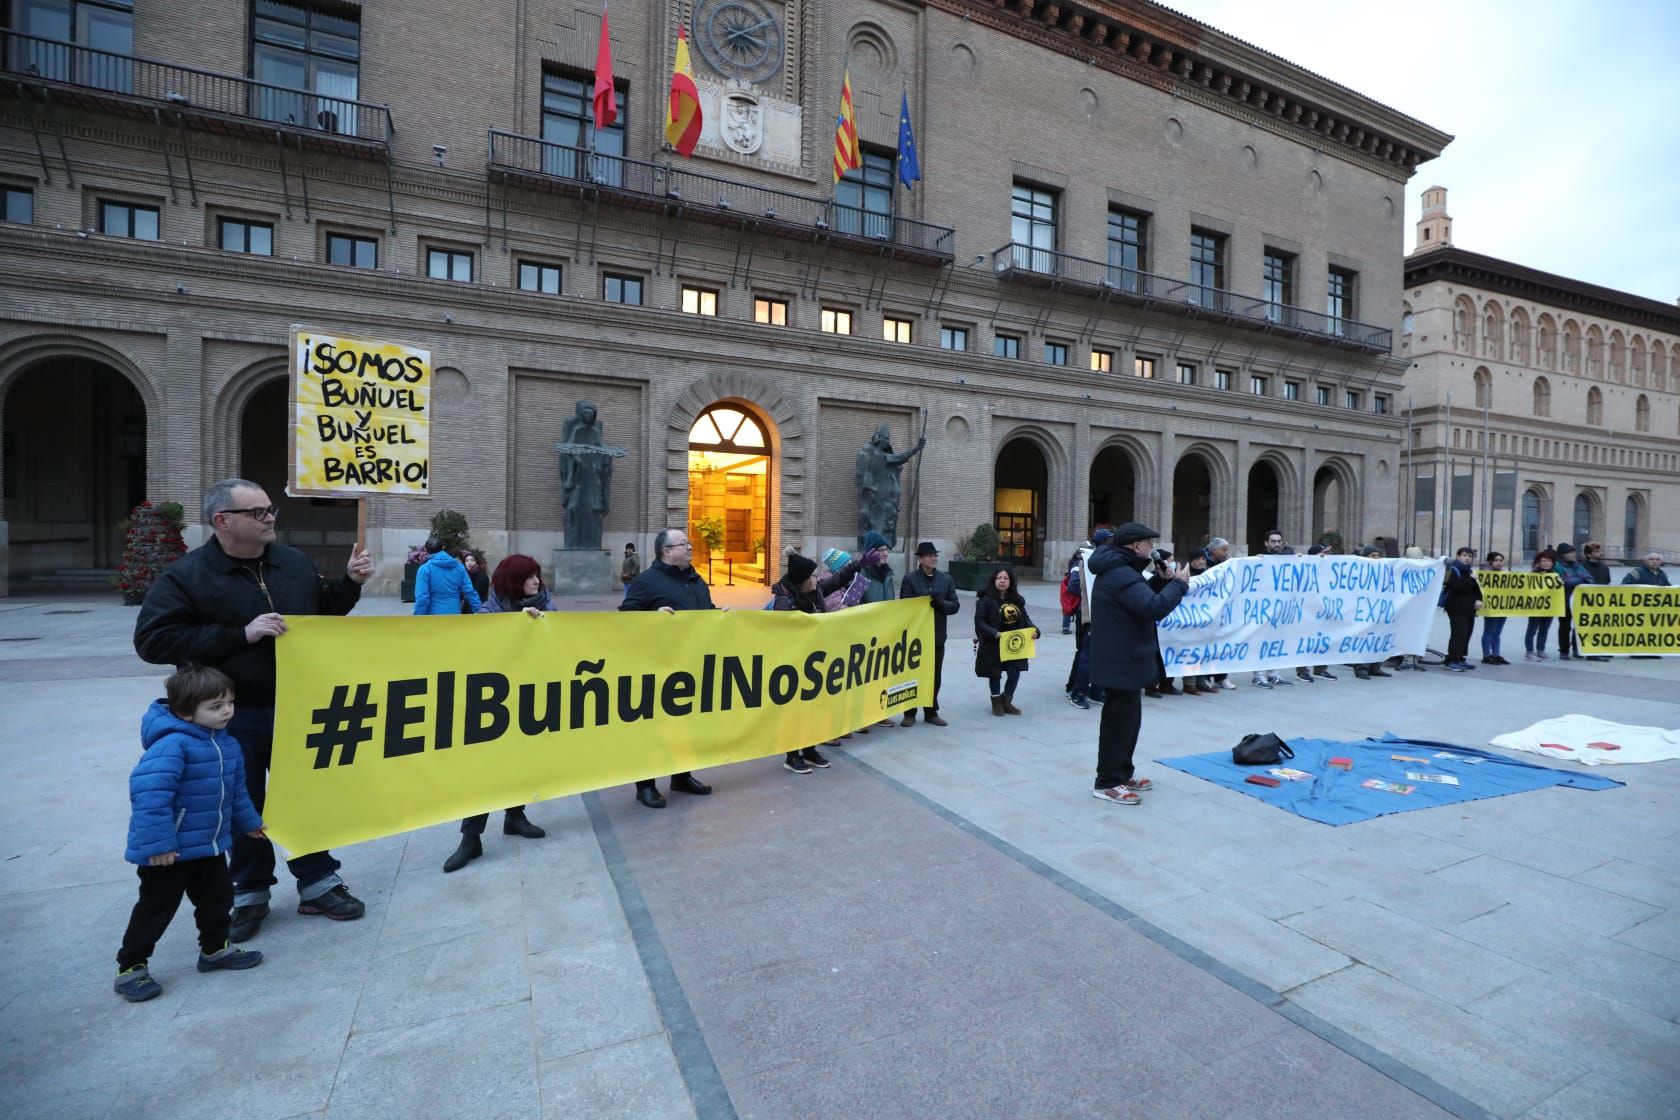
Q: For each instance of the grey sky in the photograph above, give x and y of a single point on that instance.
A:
(1566, 117)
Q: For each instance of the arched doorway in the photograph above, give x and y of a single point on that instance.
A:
(1330, 509)
(324, 528)
(729, 494)
(1585, 518)
(1263, 505)
(75, 464)
(1113, 488)
(1533, 523)
(1020, 480)
(1630, 530)
(1192, 503)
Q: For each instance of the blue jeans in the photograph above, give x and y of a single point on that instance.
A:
(1492, 628)
(1534, 638)
(252, 866)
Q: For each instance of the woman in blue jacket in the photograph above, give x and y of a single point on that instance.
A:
(1575, 574)
(442, 583)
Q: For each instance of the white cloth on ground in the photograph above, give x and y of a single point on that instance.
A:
(1579, 733)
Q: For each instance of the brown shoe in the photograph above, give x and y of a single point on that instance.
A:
(909, 719)
(997, 705)
(1010, 708)
(934, 721)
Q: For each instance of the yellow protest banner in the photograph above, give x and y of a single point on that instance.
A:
(1627, 619)
(361, 416)
(1520, 594)
(389, 724)
(1016, 645)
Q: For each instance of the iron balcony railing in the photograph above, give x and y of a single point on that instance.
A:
(1028, 263)
(698, 194)
(190, 90)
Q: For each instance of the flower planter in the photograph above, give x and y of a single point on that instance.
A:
(409, 572)
(970, 575)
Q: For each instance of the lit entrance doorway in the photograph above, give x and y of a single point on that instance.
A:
(1330, 505)
(75, 447)
(1192, 504)
(324, 528)
(729, 495)
(1019, 484)
(1113, 488)
(1262, 506)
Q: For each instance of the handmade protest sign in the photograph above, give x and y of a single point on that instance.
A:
(1520, 594)
(1628, 619)
(389, 724)
(361, 416)
(1277, 612)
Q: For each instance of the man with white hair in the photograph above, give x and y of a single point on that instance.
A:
(1651, 574)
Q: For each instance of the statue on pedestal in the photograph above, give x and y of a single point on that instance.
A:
(878, 468)
(586, 467)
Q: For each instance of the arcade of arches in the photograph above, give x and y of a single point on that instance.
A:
(325, 528)
(729, 461)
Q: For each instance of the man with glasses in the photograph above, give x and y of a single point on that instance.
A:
(1268, 678)
(669, 584)
(223, 605)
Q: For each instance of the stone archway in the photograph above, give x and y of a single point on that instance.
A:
(730, 468)
(325, 528)
(1192, 502)
(1265, 498)
(1114, 487)
(1336, 503)
(1020, 490)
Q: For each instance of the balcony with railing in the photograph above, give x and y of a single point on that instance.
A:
(1048, 268)
(548, 166)
(66, 74)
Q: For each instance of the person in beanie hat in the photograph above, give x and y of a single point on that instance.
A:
(1575, 574)
(926, 581)
(1124, 612)
(798, 591)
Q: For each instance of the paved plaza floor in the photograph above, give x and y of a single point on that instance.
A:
(943, 924)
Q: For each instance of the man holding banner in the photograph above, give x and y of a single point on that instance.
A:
(1124, 612)
(223, 605)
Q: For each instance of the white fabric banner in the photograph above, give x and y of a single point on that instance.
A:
(1592, 741)
(1276, 612)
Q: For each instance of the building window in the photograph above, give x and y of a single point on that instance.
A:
(836, 321)
(1128, 250)
(1339, 301)
(102, 26)
(315, 48)
(1006, 346)
(20, 205)
(1583, 517)
(771, 312)
(1207, 269)
(1102, 361)
(1542, 397)
(619, 288)
(568, 126)
(1032, 227)
(449, 264)
(537, 277)
(236, 235)
(1291, 390)
(1595, 406)
(1322, 395)
(1222, 379)
(1642, 414)
(894, 329)
(122, 219)
(1186, 373)
(1380, 404)
(1258, 385)
(1353, 400)
(953, 338)
(863, 198)
(1056, 353)
(1277, 284)
(354, 252)
(699, 301)
(1143, 367)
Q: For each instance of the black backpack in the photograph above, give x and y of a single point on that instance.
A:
(1260, 750)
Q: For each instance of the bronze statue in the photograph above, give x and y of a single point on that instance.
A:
(878, 468)
(586, 467)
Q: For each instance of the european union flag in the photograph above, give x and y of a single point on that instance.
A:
(909, 167)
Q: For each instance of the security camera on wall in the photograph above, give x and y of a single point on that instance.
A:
(438, 152)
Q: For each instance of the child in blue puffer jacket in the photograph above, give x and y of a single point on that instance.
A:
(187, 794)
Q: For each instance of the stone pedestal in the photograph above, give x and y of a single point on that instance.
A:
(584, 571)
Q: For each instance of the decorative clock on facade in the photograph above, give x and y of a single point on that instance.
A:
(739, 39)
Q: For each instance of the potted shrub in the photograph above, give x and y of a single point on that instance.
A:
(975, 554)
(451, 528)
(1332, 541)
(411, 568)
(151, 542)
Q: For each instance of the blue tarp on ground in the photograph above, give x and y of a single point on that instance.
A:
(1335, 797)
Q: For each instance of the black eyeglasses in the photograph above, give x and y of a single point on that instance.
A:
(255, 513)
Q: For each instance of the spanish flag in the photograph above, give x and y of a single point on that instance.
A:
(683, 117)
(847, 156)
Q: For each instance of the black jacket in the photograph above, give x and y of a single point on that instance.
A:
(938, 588)
(793, 599)
(665, 585)
(1124, 612)
(1461, 590)
(991, 618)
(1599, 569)
(1650, 577)
(197, 610)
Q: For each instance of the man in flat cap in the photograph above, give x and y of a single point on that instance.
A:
(926, 581)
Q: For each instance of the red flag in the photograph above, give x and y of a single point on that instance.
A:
(606, 105)
(683, 116)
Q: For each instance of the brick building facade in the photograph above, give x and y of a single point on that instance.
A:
(1137, 280)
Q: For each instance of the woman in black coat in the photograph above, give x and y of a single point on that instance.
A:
(998, 610)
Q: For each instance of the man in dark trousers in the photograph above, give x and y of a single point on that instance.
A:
(223, 605)
(1124, 612)
(926, 581)
(670, 584)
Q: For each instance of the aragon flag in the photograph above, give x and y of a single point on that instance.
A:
(683, 117)
(847, 155)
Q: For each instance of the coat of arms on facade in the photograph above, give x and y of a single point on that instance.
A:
(743, 123)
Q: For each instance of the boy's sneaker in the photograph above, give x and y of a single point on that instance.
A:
(815, 758)
(1078, 701)
(795, 763)
(229, 957)
(136, 984)
(338, 904)
(247, 920)
(1119, 795)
